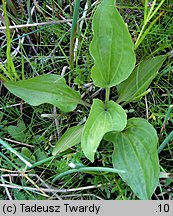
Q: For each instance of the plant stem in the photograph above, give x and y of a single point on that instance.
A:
(107, 94)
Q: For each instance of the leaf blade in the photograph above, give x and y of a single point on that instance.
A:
(99, 122)
(18, 132)
(111, 48)
(140, 79)
(70, 138)
(135, 151)
(48, 88)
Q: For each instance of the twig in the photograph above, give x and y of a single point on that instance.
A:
(13, 105)
(146, 105)
(11, 171)
(6, 189)
(50, 190)
(81, 195)
(36, 24)
(64, 70)
(96, 93)
(19, 143)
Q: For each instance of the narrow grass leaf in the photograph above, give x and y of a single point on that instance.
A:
(8, 161)
(8, 147)
(74, 29)
(165, 142)
(10, 65)
(42, 162)
(148, 30)
(88, 169)
(2, 77)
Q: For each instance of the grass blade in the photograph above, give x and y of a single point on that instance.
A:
(74, 30)
(8, 147)
(165, 142)
(9, 161)
(88, 169)
(10, 65)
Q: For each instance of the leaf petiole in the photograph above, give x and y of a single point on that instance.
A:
(107, 95)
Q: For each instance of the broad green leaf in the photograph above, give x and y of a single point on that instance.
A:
(41, 154)
(27, 153)
(140, 79)
(18, 132)
(135, 151)
(111, 48)
(102, 119)
(19, 195)
(70, 138)
(49, 88)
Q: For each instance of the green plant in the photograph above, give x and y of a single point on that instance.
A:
(135, 140)
(9, 71)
